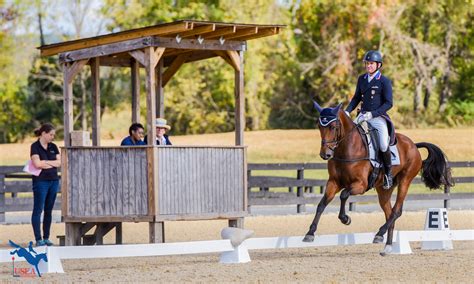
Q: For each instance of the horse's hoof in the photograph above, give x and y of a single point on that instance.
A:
(378, 239)
(387, 250)
(346, 220)
(308, 239)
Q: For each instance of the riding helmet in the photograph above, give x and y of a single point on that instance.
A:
(373, 55)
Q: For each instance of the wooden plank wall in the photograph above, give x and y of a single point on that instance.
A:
(201, 180)
(107, 182)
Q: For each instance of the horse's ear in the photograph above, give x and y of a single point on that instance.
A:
(336, 109)
(317, 106)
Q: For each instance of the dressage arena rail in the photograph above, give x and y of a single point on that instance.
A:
(13, 182)
(230, 253)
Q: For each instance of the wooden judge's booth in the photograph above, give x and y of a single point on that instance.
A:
(104, 186)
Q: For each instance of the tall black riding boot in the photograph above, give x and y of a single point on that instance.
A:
(387, 165)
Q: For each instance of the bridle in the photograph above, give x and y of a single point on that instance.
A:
(338, 140)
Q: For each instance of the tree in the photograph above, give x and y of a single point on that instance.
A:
(330, 41)
(13, 117)
(44, 92)
(424, 46)
(205, 103)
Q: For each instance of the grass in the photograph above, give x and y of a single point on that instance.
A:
(273, 146)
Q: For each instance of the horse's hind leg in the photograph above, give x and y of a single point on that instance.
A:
(384, 201)
(331, 190)
(345, 219)
(396, 213)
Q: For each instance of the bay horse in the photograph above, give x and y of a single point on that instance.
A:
(349, 168)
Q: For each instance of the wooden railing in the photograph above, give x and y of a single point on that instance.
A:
(12, 183)
(301, 190)
(111, 184)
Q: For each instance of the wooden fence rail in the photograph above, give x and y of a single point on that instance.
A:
(13, 181)
(305, 193)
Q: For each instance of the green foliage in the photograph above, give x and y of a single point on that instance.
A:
(44, 93)
(200, 97)
(427, 53)
(331, 40)
(12, 114)
(427, 47)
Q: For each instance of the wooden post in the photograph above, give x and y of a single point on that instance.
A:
(69, 72)
(67, 94)
(237, 223)
(64, 184)
(95, 75)
(352, 206)
(2, 199)
(160, 96)
(151, 58)
(118, 233)
(135, 66)
(239, 102)
(73, 237)
(447, 190)
(100, 231)
(157, 232)
(300, 208)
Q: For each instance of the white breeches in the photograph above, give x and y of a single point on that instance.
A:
(381, 125)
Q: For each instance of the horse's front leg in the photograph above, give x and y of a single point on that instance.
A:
(354, 189)
(331, 190)
(345, 219)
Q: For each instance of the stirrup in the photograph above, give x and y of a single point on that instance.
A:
(387, 181)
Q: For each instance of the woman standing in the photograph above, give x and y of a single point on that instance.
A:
(45, 156)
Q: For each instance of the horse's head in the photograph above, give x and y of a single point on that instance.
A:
(331, 129)
(42, 256)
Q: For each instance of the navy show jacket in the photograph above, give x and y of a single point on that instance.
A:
(375, 96)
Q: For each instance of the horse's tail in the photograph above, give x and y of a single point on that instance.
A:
(435, 170)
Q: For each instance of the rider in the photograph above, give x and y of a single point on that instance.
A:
(375, 93)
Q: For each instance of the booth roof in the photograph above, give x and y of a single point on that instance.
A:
(191, 29)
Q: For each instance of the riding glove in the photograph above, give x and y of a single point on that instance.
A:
(364, 117)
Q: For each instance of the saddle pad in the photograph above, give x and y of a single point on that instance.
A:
(395, 156)
(374, 160)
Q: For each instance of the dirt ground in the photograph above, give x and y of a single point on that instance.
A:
(361, 263)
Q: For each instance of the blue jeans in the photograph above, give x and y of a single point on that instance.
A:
(44, 195)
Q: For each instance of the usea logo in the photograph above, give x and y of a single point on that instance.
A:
(31, 256)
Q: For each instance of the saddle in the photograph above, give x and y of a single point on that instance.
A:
(371, 140)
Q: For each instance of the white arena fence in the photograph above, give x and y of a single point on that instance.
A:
(230, 253)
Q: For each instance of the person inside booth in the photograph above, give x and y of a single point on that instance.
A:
(161, 138)
(136, 132)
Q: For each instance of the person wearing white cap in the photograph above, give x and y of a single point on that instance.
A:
(161, 137)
